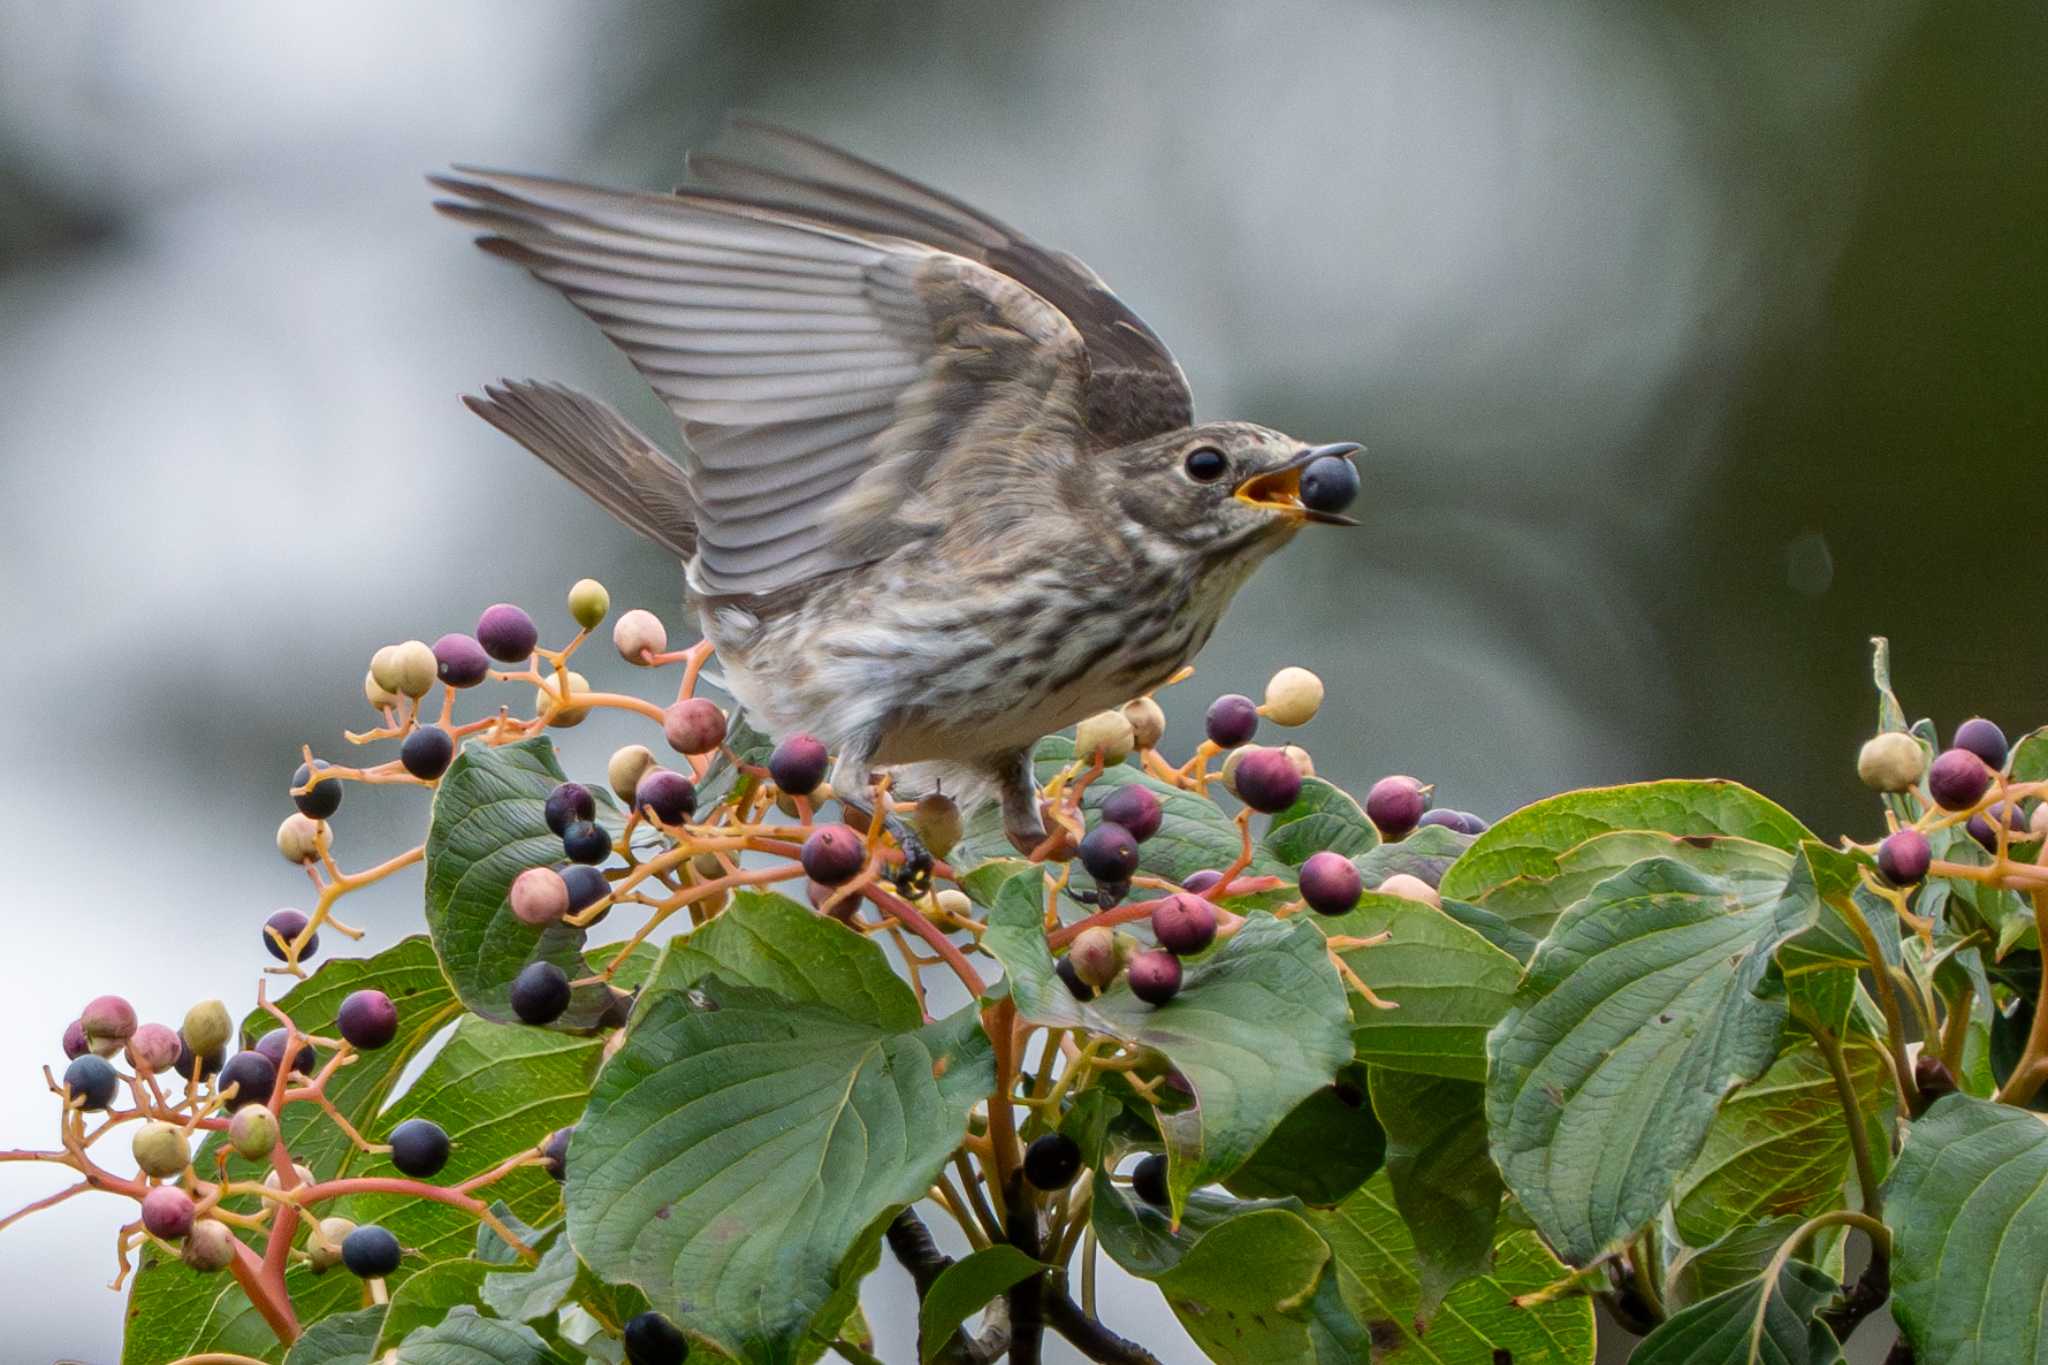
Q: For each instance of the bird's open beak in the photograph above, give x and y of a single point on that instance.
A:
(1279, 490)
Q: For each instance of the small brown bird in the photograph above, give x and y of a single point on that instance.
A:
(942, 492)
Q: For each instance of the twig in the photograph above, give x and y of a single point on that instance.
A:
(1089, 1336)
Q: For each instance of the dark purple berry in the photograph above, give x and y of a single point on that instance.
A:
(167, 1212)
(419, 1148)
(1051, 1162)
(1932, 1078)
(1958, 779)
(91, 1081)
(833, 854)
(1396, 805)
(1148, 1180)
(370, 1253)
(1473, 824)
(196, 1069)
(74, 1040)
(540, 993)
(1329, 484)
(1983, 739)
(427, 752)
(586, 842)
(1445, 816)
(1135, 808)
(368, 1020)
(666, 795)
(1154, 975)
(507, 633)
(1983, 827)
(1076, 987)
(798, 764)
(1330, 883)
(252, 1074)
(305, 1060)
(320, 800)
(587, 886)
(1267, 780)
(1110, 853)
(1903, 857)
(567, 804)
(283, 927)
(460, 661)
(1203, 882)
(1184, 923)
(652, 1339)
(1233, 719)
(555, 1153)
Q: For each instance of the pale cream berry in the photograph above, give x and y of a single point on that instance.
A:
(305, 1177)
(323, 1248)
(589, 603)
(253, 1131)
(414, 669)
(209, 1247)
(1094, 955)
(639, 633)
(544, 697)
(1410, 888)
(1293, 696)
(1891, 762)
(298, 838)
(1108, 733)
(628, 765)
(1298, 756)
(953, 906)
(375, 693)
(384, 670)
(1148, 722)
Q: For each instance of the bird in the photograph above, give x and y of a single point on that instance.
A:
(941, 492)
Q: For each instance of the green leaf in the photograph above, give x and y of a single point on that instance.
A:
(1258, 1026)
(1779, 1146)
(465, 1337)
(1745, 1252)
(1323, 817)
(742, 1146)
(1529, 842)
(770, 942)
(1326, 1147)
(1427, 853)
(343, 1339)
(982, 884)
(964, 1288)
(1721, 1328)
(1968, 1208)
(1442, 1178)
(1531, 903)
(1448, 987)
(1636, 1016)
(2030, 757)
(1375, 1256)
(428, 1296)
(521, 1293)
(487, 828)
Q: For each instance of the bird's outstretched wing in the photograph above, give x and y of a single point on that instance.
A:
(828, 373)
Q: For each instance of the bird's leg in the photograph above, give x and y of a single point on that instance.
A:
(851, 774)
(1017, 784)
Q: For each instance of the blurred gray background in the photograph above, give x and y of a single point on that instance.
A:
(1692, 344)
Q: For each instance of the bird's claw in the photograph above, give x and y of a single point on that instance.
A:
(914, 877)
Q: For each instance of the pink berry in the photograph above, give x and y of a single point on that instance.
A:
(1184, 923)
(833, 854)
(1154, 975)
(154, 1048)
(1395, 805)
(1330, 883)
(693, 726)
(1958, 779)
(539, 896)
(167, 1212)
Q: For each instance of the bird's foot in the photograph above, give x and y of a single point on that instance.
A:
(914, 877)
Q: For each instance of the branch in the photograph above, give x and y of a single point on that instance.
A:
(911, 1242)
(1094, 1340)
(1865, 1297)
(1027, 1296)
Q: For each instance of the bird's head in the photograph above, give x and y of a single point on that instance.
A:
(1223, 486)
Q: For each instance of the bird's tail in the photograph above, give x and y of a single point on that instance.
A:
(596, 449)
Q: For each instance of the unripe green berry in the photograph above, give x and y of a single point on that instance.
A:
(589, 603)
(378, 696)
(628, 765)
(1108, 733)
(384, 672)
(637, 634)
(1148, 722)
(323, 1248)
(1891, 762)
(1293, 696)
(252, 1131)
(207, 1027)
(161, 1150)
(209, 1248)
(298, 838)
(413, 669)
(951, 906)
(936, 818)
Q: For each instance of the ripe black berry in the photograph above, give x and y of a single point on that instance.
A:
(1330, 883)
(1395, 805)
(1135, 808)
(305, 1060)
(281, 928)
(197, 1068)
(1183, 923)
(368, 1020)
(419, 1148)
(460, 661)
(1071, 978)
(320, 800)
(1110, 853)
(1983, 739)
(586, 842)
(1958, 779)
(1052, 1162)
(587, 886)
(253, 1077)
(652, 1339)
(666, 795)
(1267, 780)
(567, 804)
(507, 633)
(1233, 718)
(370, 1252)
(1329, 484)
(427, 752)
(1154, 976)
(1148, 1180)
(833, 854)
(798, 764)
(540, 993)
(555, 1153)
(91, 1081)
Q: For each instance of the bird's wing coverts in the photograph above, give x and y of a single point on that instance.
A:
(804, 352)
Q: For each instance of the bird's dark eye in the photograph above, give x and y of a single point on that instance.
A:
(1207, 464)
